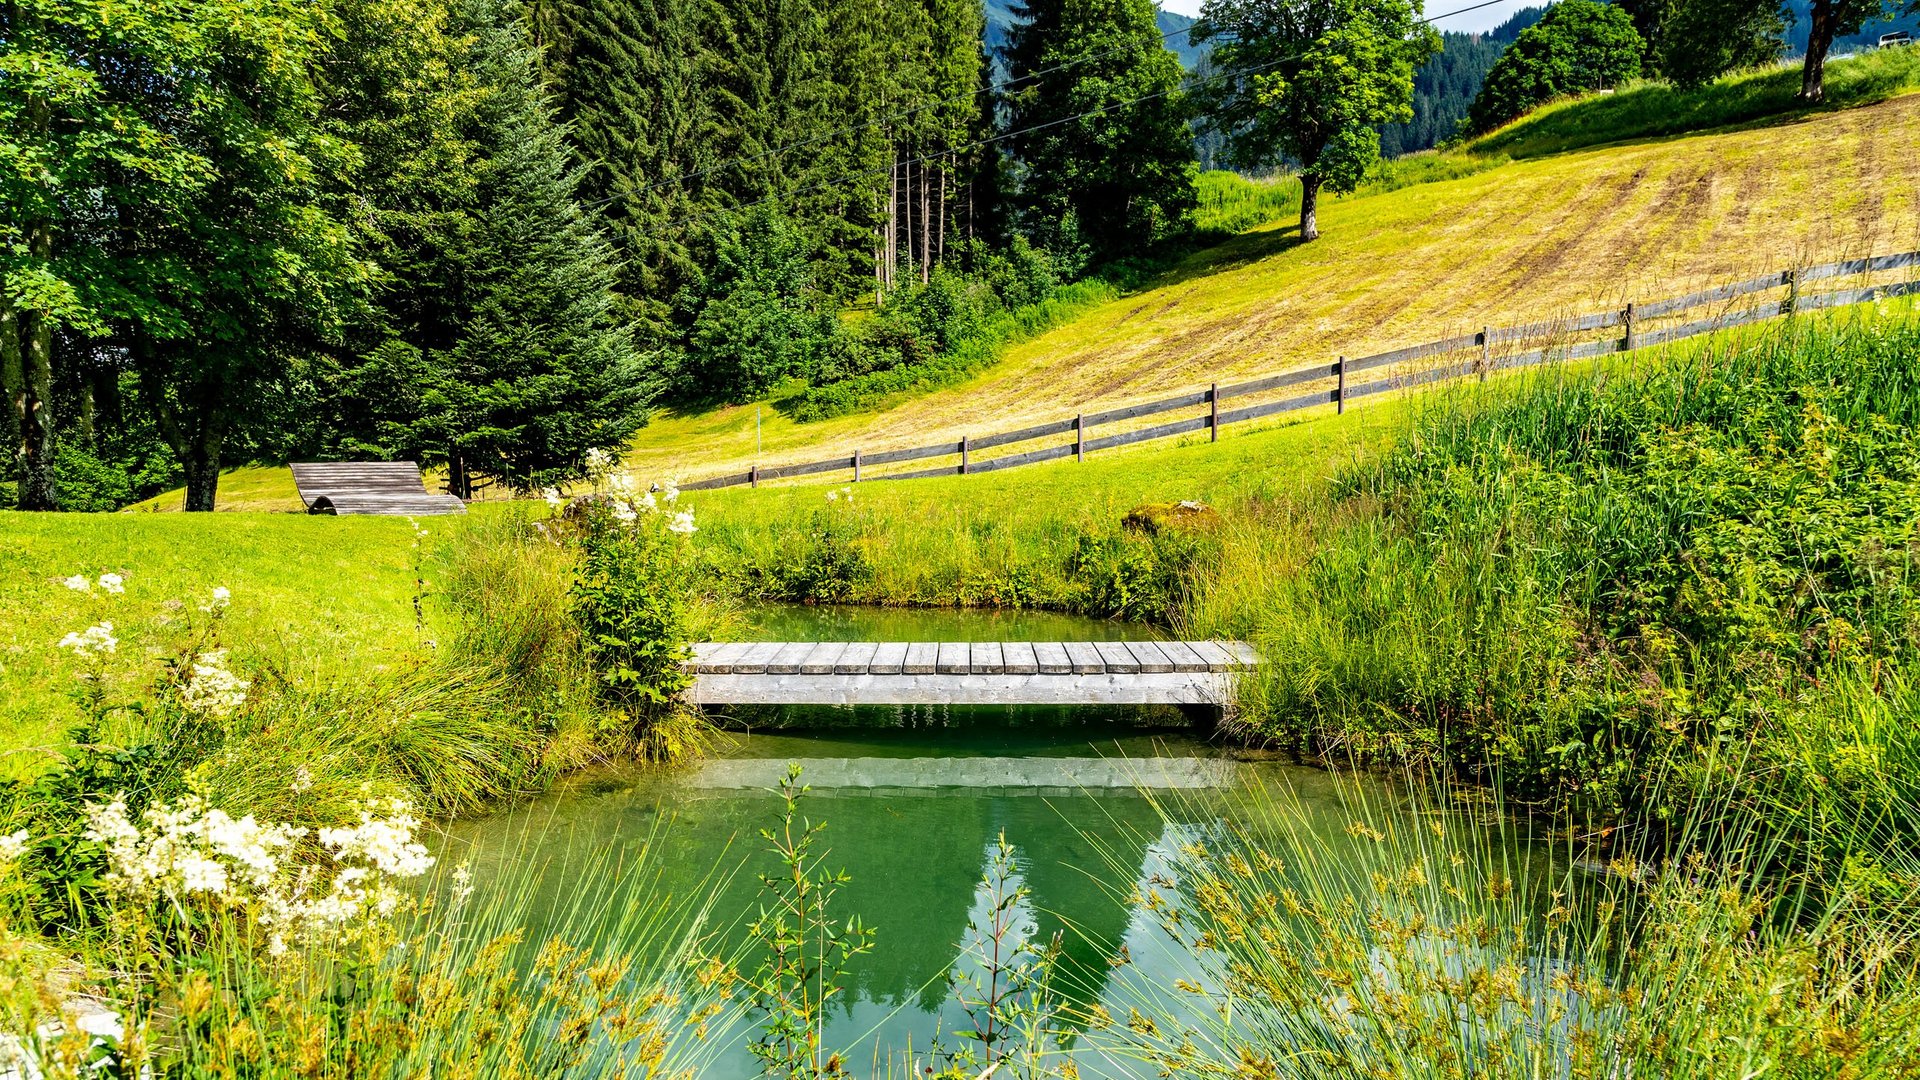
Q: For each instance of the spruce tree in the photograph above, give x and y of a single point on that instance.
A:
(503, 351)
(1110, 163)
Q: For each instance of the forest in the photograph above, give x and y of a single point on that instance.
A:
(491, 236)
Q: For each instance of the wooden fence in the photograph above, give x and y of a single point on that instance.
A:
(1555, 338)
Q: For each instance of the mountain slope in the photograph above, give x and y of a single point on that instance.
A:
(1526, 240)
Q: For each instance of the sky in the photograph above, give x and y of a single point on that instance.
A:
(1479, 21)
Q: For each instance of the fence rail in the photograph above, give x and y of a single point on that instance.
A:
(1554, 333)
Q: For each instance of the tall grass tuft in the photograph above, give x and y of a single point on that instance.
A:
(1437, 941)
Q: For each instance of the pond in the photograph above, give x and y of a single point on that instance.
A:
(1093, 802)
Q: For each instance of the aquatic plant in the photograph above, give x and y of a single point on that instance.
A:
(803, 948)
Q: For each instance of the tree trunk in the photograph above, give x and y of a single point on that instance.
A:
(36, 360)
(940, 252)
(926, 233)
(13, 388)
(1819, 40)
(893, 214)
(1309, 207)
(459, 477)
(196, 433)
(36, 409)
(203, 459)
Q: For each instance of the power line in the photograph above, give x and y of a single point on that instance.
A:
(951, 151)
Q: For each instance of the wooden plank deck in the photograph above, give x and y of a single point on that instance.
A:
(967, 673)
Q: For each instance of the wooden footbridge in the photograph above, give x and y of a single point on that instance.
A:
(967, 673)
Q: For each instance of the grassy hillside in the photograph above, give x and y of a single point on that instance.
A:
(1530, 239)
(1436, 245)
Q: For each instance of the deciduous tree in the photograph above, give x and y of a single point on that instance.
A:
(1309, 82)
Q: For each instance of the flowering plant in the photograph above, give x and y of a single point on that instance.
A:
(190, 859)
(632, 597)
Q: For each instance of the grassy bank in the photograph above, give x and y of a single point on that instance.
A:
(1661, 606)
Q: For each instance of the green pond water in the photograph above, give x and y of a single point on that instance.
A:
(1094, 802)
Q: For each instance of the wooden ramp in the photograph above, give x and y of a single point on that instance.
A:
(967, 673)
(369, 487)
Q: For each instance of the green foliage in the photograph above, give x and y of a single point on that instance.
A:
(1445, 86)
(631, 597)
(1098, 176)
(1623, 593)
(1700, 40)
(1230, 203)
(1577, 47)
(1133, 574)
(1651, 110)
(499, 347)
(1313, 84)
(754, 317)
(933, 335)
(804, 949)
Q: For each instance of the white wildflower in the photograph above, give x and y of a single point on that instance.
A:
(682, 523)
(212, 690)
(670, 491)
(621, 485)
(552, 495)
(96, 640)
(221, 598)
(386, 842)
(302, 779)
(597, 464)
(833, 494)
(623, 512)
(113, 583)
(13, 845)
(78, 583)
(462, 883)
(646, 504)
(190, 853)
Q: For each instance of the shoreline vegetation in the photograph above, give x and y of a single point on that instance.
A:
(1637, 641)
(1660, 609)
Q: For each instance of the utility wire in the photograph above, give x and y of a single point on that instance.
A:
(951, 151)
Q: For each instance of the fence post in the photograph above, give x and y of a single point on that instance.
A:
(1340, 390)
(1079, 437)
(1627, 317)
(966, 444)
(1486, 351)
(753, 475)
(1213, 420)
(1792, 303)
(856, 466)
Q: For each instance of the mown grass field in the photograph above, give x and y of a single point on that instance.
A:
(1529, 239)
(1601, 203)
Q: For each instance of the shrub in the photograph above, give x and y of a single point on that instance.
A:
(631, 597)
